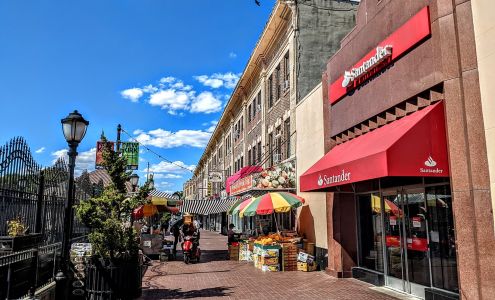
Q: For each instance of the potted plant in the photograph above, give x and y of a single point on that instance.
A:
(18, 238)
(115, 267)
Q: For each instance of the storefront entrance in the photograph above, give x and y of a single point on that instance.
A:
(406, 241)
(407, 234)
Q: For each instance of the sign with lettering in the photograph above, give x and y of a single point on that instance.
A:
(99, 153)
(410, 34)
(130, 151)
(241, 185)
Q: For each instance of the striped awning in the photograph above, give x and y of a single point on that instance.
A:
(162, 198)
(207, 206)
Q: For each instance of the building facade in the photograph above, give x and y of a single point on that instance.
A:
(258, 125)
(406, 173)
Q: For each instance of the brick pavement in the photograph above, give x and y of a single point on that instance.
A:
(214, 277)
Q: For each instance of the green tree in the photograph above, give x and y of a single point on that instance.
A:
(108, 215)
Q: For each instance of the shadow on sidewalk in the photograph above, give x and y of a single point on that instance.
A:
(179, 294)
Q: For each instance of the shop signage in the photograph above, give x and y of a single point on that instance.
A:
(410, 34)
(215, 176)
(130, 151)
(281, 176)
(430, 167)
(331, 179)
(99, 153)
(352, 76)
(242, 184)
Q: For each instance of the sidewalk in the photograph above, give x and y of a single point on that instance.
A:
(214, 277)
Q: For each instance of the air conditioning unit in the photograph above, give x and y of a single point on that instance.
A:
(277, 157)
(286, 84)
(258, 107)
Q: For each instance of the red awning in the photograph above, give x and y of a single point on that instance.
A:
(239, 174)
(412, 146)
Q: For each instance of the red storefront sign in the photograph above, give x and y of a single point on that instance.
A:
(415, 145)
(414, 31)
(241, 185)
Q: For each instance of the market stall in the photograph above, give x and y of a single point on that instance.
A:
(153, 241)
(283, 250)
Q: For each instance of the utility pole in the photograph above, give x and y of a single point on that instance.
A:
(119, 130)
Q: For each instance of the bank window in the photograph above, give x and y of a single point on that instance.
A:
(270, 91)
(370, 232)
(442, 238)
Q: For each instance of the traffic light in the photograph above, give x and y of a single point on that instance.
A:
(208, 189)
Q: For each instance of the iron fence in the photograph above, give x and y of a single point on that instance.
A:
(36, 196)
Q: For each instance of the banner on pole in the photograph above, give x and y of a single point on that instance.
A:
(130, 151)
(99, 153)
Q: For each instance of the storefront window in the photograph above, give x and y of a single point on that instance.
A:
(370, 233)
(442, 238)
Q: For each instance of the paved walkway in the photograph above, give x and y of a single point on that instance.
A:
(214, 277)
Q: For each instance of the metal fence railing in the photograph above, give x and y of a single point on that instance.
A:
(36, 196)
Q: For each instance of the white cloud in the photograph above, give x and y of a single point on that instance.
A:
(232, 55)
(132, 94)
(176, 97)
(206, 103)
(166, 176)
(211, 82)
(40, 150)
(217, 80)
(167, 139)
(171, 100)
(177, 167)
(85, 160)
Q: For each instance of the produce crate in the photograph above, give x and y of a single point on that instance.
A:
(306, 267)
(234, 252)
(289, 257)
(269, 260)
(265, 268)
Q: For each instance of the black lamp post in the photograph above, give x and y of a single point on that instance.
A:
(74, 128)
(134, 179)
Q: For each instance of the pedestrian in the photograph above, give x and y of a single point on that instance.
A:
(175, 230)
(231, 238)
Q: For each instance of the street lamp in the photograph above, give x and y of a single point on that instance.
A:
(134, 179)
(74, 128)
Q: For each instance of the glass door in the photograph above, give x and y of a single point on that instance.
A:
(394, 240)
(416, 240)
(406, 241)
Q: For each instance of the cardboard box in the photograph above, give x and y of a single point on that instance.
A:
(270, 268)
(269, 252)
(269, 260)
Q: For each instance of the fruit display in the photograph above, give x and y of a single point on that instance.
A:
(272, 238)
(278, 177)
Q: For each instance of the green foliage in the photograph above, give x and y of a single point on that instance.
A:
(165, 217)
(108, 215)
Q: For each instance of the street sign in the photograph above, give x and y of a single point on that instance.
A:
(130, 151)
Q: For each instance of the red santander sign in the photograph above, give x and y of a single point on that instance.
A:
(410, 34)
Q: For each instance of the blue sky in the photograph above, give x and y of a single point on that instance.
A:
(163, 69)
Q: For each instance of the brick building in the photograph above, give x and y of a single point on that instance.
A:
(257, 127)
